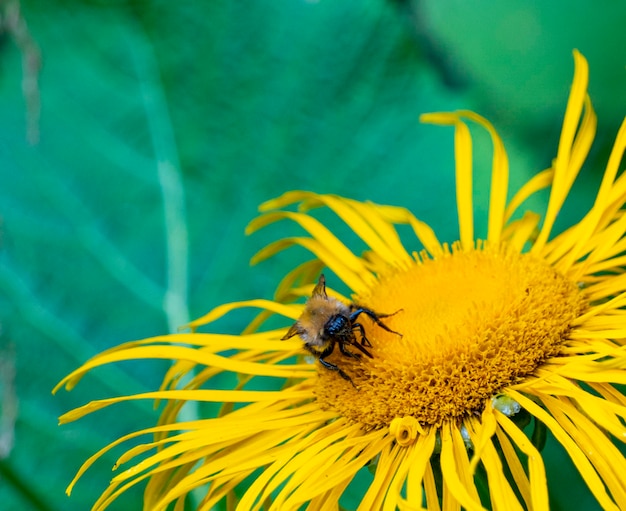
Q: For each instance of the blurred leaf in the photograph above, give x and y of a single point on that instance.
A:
(515, 58)
(162, 127)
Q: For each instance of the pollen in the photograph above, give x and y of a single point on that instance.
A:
(472, 322)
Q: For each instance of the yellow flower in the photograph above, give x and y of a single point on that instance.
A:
(521, 324)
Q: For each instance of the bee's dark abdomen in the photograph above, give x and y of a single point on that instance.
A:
(337, 325)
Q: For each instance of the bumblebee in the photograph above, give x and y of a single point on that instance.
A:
(327, 321)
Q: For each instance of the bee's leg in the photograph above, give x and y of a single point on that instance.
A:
(374, 316)
(333, 367)
(360, 347)
(328, 365)
(364, 340)
(346, 352)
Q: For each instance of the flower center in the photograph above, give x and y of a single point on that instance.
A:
(472, 322)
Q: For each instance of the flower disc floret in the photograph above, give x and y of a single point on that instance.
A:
(473, 322)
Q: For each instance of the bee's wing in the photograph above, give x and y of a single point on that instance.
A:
(294, 330)
(320, 288)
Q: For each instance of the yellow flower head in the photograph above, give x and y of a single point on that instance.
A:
(457, 343)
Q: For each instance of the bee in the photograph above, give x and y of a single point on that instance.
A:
(327, 321)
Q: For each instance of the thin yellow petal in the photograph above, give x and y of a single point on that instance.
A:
(203, 357)
(366, 221)
(594, 372)
(388, 244)
(394, 493)
(609, 188)
(605, 413)
(612, 304)
(234, 461)
(455, 467)
(286, 199)
(603, 266)
(464, 187)
(604, 456)
(71, 380)
(578, 457)
(314, 227)
(390, 459)
(463, 159)
(200, 395)
(215, 341)
(599, 291)
(483, 433)
(289, 311)
(499, 178)
(337, 463)
(299, 452)
(111, 494)
(156, 429)
(430, 488)
(288, 290)
(449, 501)
(603, 347)
(605, 244)
(220, 489)
(610, 393)
(328, 501)
(260, 434)
(564, 169)
(598, 245)
(538, 483)
(250, 454)
(515, 466)
(502, 496)
(519, 232)
(535, 184)
(357, 276)
(423, 231)
(418, 468)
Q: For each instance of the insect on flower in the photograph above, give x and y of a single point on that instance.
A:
(327, 321)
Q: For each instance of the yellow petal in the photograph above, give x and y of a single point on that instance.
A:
(200, 395)
(298, 453)
(289, 311)
(500, 491)
(390, 459)
(565, 166)
(483, 432)
(356, 276)
(463, 159)
(499, 178)
(605, 457)
(519, 232)
(455, 468)
(419, 468)
(538, 484)
(536, 183)
(577, 456)
(430, 488)
(338, 463)
(365, 220)
(312, 226)
(423, 231)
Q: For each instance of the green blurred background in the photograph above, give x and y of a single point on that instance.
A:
(137, 139)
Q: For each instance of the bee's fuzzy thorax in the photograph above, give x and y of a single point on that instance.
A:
(317, 311)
